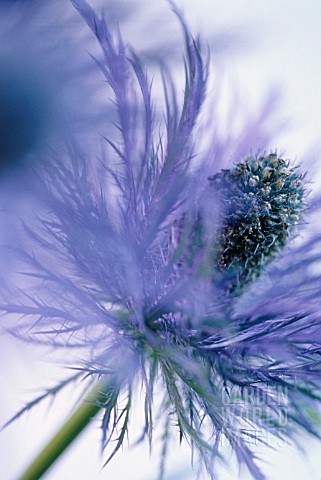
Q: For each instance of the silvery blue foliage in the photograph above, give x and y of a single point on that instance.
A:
(124, 263)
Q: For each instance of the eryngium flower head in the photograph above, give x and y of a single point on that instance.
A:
(122, 266)
(261, 202)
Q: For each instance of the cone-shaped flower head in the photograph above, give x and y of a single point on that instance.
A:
(261, 202)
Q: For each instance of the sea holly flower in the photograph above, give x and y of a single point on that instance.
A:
(262, 201)
(150, 265)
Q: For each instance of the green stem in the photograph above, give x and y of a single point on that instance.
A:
(76, 423)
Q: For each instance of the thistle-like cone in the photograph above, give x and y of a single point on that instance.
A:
(261, 201)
